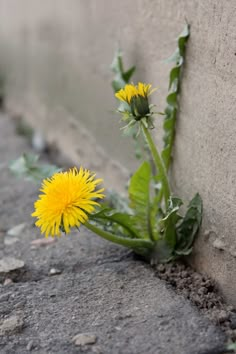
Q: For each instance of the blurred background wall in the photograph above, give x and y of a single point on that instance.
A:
(56, 58)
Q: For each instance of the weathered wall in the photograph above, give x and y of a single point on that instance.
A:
(56, 57)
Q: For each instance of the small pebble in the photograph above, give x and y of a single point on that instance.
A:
(219, 244)
(39, 142)
(197, 277)
(8, 241)
(202, 290)
(30, 345)
(16, 230)
(223, 316)
(54, 271)
(10, 325)
(84, 339)
(43, 242)
(7, 281)
(52, 295)
(7, 264)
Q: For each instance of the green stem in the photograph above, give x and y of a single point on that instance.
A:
(127, 242)
(159, 164)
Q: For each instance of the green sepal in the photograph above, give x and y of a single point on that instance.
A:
(139, 107)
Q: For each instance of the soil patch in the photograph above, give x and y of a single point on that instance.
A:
(202, 292)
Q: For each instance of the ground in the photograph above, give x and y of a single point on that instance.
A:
(82, 285)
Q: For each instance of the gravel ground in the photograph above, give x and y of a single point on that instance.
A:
(80, 294)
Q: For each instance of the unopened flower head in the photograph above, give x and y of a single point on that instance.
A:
(67, 200)
(137, 98)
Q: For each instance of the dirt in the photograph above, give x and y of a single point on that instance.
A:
(81, 289)
(202, 292)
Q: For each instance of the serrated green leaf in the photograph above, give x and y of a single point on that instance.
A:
(28, 167)
(117, 65)
(174, 58)
(186, 31)
(174, 204)
(172, 99)
(169, 123)
(30, 159)
(172, 102)
(162, 253)
(168, 223)
(121, 77)
(189, 226)
(184, 252)
(128, 74)
(179, 52)
(183, 37)
(168, 112)
(174, 76)
(139, 189)
(165, 154)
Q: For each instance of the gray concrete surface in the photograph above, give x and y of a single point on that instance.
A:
(56, 59)
(100, 289)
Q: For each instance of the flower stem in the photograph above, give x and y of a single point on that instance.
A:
(127, 242)
(159, 163)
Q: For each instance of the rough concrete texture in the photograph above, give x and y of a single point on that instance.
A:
(82, 289)
(56, 58)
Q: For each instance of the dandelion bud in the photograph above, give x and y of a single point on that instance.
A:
(137, 99)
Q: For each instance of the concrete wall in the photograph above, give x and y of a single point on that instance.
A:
(56, 58)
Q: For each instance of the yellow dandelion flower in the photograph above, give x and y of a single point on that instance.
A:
(66, 201)
(145, 90)
(129, 91)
